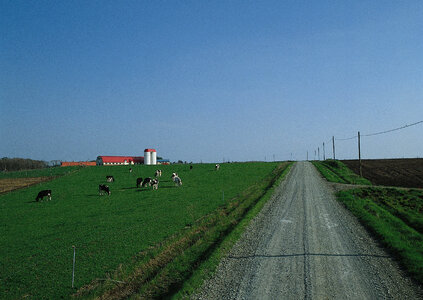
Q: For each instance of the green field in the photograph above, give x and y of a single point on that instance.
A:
(36, 238)
(336, 171)
(395, 217)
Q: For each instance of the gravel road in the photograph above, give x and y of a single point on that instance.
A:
(305, 245)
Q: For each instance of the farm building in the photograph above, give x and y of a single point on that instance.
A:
(163, 162)
(119, 160)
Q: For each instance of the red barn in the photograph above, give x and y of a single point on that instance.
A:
(119, 160)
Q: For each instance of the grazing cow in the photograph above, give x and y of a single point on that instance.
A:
(190, 167)
(158, 173)
(174, 175)
(139, 181)
(217, 167)
(130, 170)
(103, 188)
(42, 194)
(155, 184)
(146, 182)
(177, 180)
(110, 178)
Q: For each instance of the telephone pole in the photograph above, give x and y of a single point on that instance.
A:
(324, 154)
(359, 155)
(333, 146)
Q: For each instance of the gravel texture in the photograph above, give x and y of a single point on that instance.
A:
(305, 245)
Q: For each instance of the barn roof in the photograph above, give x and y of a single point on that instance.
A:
(121, 159)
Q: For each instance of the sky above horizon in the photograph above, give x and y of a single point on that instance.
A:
(207, 81)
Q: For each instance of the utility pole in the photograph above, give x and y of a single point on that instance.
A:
(314, 154)
(333, 146)
(307, 155)
(324, 154)
(318, 153)
(359, 155)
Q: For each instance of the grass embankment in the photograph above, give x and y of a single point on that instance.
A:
(395, 217)
(336, 171)
(36, 238)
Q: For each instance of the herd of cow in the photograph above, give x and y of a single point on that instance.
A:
(146, 182)
(140, 182)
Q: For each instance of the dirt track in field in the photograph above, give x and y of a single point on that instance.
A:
(11, 184)
(305, 245)
(391, 172)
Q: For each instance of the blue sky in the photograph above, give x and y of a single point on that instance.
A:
(209, 80)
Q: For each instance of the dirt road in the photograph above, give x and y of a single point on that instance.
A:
(305, 245)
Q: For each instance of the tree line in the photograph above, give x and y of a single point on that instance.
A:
(16, 164)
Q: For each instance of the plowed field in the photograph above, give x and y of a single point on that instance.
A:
(391, 172)
(10, 184)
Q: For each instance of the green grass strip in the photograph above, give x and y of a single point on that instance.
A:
(336, 171)
(402, 240)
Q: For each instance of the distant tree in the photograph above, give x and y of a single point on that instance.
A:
(16, 164)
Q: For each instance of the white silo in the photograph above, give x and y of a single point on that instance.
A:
(147, 157)
(153, 157)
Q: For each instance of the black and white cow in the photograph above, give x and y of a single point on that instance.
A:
(155, 184)
(158, 173)
(42, 194)
(130, 170)
(139, 181)
(110, 178)
(147, 182)
(177, 180)
(102, 188)
(217, 167)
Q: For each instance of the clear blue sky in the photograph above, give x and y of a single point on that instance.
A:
(209, 80)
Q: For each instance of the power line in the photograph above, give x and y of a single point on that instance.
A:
(346, 139)
(395, 129)
(381, 132)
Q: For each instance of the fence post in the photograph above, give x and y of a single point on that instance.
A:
(73, 268)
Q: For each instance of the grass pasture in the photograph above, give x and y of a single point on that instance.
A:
(395, 217)
(36, 238)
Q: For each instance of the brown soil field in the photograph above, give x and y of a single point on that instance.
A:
(10, 184)
(406, 172)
